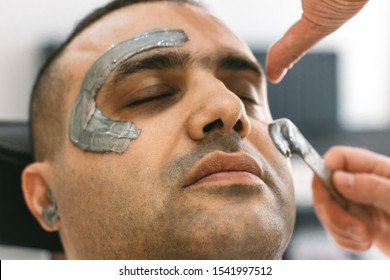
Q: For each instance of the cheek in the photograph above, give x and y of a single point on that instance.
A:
(98, 193)
(160, 139)
(260, 139)
(279, 166)
(85, 173)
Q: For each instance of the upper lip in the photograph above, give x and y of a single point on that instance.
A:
(216, 162)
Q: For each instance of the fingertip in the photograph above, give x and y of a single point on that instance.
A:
(335, 157)
(276, 75)
(276, 63)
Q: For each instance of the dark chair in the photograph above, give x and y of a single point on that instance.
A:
(17, 225)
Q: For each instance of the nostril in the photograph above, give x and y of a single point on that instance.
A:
(215, 124)
(238, 126)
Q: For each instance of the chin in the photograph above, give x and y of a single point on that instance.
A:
(228, 234)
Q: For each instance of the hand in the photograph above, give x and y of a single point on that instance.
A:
(319, 19)
(363, 177)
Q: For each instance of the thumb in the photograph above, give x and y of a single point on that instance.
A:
(290, 48)
(368, 189)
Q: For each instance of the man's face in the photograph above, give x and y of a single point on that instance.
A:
(203, 180)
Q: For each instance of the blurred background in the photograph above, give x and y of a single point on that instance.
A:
(338, 94)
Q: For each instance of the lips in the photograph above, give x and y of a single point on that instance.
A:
(219, 168)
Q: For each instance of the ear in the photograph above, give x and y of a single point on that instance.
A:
(35, 186)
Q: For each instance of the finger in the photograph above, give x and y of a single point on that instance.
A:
(368, 189)
(345, 239)
(354, 242)
(335, 218)
(350, 244)
(320, 193)
(290, 48)
(357, 160)
(341, 223)
(383, 236)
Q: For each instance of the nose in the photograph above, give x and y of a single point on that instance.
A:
(217, 109)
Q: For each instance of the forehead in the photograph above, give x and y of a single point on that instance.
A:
(207, 35)
(205, 31)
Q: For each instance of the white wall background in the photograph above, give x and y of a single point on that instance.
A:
(363, 45)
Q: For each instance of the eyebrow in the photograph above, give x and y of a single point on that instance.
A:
(161, 61)
(234, 62)
(157, 61)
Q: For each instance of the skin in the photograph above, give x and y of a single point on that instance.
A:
(319, 19)
(138, 205)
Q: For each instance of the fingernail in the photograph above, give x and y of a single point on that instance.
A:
(283, 73)
(345, 180)
(280, 76)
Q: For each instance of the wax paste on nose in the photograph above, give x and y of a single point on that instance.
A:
(89, 128)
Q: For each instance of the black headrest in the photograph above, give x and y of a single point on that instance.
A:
(17, 225)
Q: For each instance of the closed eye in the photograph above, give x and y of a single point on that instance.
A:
(150, 99)
(151, 94)
(248, 99)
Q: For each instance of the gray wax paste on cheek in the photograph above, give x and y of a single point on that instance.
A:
(89, 128)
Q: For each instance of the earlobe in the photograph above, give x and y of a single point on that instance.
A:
(39, 197)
